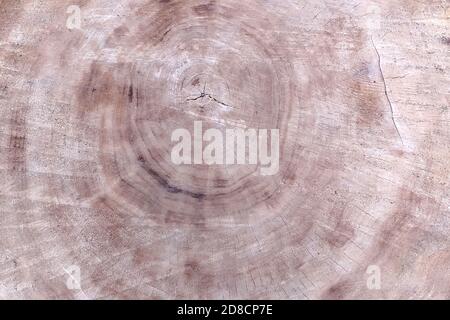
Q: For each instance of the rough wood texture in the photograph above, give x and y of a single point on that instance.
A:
(358, 89)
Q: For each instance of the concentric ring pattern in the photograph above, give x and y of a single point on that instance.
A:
(87, 174)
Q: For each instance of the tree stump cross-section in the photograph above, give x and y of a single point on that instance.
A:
(92, 205)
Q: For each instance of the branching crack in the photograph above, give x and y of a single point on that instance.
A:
(203, 94)
(385, 91)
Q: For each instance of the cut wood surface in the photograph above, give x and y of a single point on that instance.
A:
(91, 205)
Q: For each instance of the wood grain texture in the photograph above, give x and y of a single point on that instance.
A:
(358, 89)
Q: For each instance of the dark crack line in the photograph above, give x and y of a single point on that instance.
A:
(195, 99)
(204, 89)
(220, 102)
(203, 94)
(385, 91)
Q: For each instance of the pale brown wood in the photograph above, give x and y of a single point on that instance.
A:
(358, 89)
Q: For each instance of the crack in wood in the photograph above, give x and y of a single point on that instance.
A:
(385, 91)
